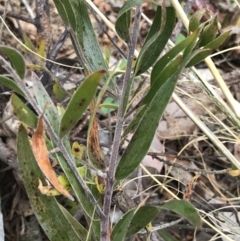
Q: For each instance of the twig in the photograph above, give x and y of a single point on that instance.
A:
(186, 168)
(18, 16)
(119, 125)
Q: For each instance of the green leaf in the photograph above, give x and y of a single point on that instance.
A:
(108, 105)
(23, 113)
(184, 209)
(16, 59)
(79, 102)
(124, 18)
(209, 32)
(216, 43)
(154, 45)
(142, 218)
(44, 101)
(120, 229)
(132, 126)
(78, 228)
(66, 12)
(28, 42)
(199, 56)
(58, 91)
(170, 69)
(142, 138)
(166, 236)
(10, 84)
(195, 19)
(86, 37)
(171, 54)
(189, 48)
(157, 99)
(50, 216)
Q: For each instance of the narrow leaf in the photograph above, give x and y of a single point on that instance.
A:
(142, 138)
(200, 56)
(184, 209)
(41, 153)
(79, 229)
(189, 48)
(171, 54)
(46, 209)
(195, 19)
(209, 32)
(10, 84)
(132, 126)
(23, 112)
(169, 71)
(86, 37)
(123, 20)
(166, 236)
(44, 100)
(154, 46)
(58, 91)
(120, 229)
(28, 42)
(216, 43)
(142, 218)
(79, 102)
(16, 59)
(66, 12)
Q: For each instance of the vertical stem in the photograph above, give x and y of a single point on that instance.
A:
(105, 235)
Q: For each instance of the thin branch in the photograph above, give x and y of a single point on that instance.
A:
(18, 16)
(119, 125)
(187, 168)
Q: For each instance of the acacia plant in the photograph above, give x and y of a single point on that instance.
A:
(91, 180)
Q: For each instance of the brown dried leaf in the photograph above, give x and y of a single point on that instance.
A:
(41, 154)
(94, 137)
(189, 188)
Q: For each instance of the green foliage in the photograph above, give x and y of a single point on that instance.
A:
(79, 102)
(165, 73)
(135, 220)
(124, 18)
(57, 224)
(23, 112)
(10, 84)
(195, 20)
(156, 40)
(16, 59)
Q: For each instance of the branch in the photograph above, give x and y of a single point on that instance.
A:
(18, 16)
(119, 126)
